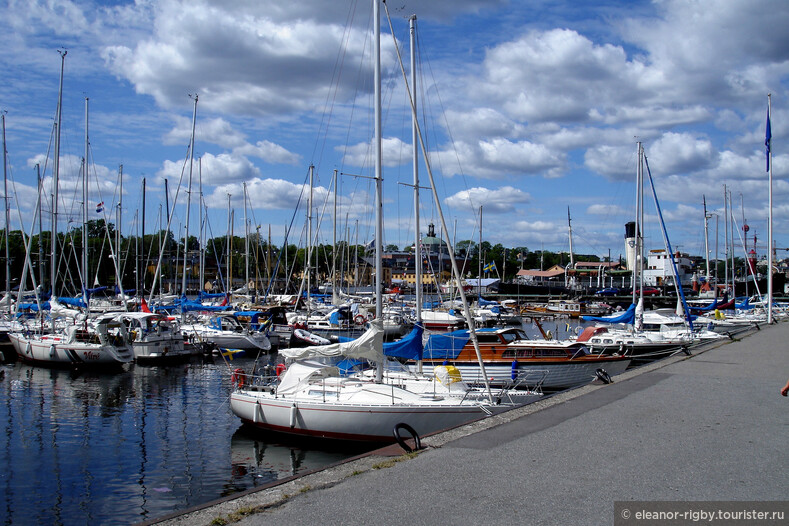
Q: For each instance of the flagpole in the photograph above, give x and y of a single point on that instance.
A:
(768, 143)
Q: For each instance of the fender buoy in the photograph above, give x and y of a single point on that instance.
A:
(52, 351)
(281, 367)
(238, 377)
(603, 376)
(359, 319)
(401, 441)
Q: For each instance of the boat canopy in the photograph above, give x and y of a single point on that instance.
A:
(369, 346)
(300, 373)
(629, 316)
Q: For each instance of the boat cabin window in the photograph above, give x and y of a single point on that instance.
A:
(488, 337)
(522, 352)
(547, 353)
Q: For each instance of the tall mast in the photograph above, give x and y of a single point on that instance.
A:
(167, 233)
(415, 154)
(334, 297)
(636, 263)
(731, 240)
(5, 196)
(768, 143)
(118, 214)
(229, 242)
(143, 255)
(85, 201)
(726, 238)
(55, 176)
(570, 237)
(201, 231)
(189, 197)
(706, 237)
(246, 240)
(40, 228)
(479, 258)
(378, 176)
(309, 238)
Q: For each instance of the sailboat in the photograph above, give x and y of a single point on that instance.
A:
(81, 341)
(312, 398)
(660, 335)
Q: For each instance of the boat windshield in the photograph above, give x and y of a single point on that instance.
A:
(511, 336)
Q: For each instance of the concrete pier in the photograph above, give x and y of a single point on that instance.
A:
(707, 427)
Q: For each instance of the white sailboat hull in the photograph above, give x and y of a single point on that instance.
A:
(370, 421)
(54, 350)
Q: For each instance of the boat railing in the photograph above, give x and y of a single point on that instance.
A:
(529, 380)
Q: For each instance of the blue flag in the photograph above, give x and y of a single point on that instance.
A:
(768, 135)
(100, 207)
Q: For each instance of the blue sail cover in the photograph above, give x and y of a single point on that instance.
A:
(90, 292)
(205, 295)
(484, 303)
(745, 305)
(74, 302)
(408, 348)
(33, 307)
(712, 306)
(185, 305)
(629, 316)
(446, 346)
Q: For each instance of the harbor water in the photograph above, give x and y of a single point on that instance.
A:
(82, 447)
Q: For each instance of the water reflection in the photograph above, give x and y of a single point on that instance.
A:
(86, 447)
(258, 459)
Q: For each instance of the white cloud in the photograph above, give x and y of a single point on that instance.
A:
(216, 169)
(606, 210)
(499, 201)
(395, 152)
(269, 152)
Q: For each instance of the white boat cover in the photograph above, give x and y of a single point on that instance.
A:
(58, 310)
(368, 346)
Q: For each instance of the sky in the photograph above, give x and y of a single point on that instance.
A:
(530, 111)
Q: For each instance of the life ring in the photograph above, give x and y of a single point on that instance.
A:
(237, 378)
(281, 367)
(603, 376)
(359, 319)
(401, 441)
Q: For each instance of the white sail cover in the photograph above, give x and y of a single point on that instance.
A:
(58, 310)
(369, 346)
